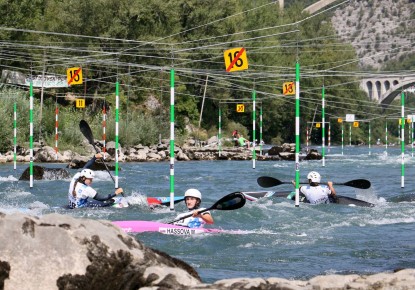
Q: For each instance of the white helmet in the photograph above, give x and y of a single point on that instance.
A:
(194, 193)
(87, 173)
(314, 176)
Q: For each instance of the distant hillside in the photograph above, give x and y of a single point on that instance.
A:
(380, 30)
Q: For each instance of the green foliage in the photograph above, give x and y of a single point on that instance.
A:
(187, 35)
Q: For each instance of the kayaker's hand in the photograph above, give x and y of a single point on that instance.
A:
(195, 213)
(98, 156)
(119, 191)
(293, 182)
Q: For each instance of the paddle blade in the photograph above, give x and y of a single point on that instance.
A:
(358, 183)
(86, 131)
(231, 201)
(266, 181)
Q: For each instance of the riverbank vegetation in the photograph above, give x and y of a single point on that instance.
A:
(137, 44)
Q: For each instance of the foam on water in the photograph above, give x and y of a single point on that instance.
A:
(8, 178)
(137, 198)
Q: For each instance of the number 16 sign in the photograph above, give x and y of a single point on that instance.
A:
(235, 59)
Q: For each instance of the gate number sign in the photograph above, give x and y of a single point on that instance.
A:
(235, 59)
(80, 103)
(288, 88)
(74, 76)
(240, 108)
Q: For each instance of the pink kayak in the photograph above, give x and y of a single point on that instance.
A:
(168, 229)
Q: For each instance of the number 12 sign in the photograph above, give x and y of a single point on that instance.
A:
(235, 59)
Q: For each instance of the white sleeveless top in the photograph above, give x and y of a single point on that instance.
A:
(191, 222)
(316, 194)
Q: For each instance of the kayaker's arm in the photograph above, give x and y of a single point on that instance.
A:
(330, 185)
(92, 160)
(101, 197)
(207, 217)
(293, 182)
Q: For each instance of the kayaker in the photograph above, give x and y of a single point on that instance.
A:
(193, 199)
(316, 193)
(80, 189)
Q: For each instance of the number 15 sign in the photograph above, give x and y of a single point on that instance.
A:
(235, 59)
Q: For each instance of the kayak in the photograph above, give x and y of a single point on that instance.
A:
(338, 199)
(120, 202)
(163, 200)
(168, 229)
(116, 201)
(255, 195)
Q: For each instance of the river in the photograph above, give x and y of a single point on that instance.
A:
(279, 239)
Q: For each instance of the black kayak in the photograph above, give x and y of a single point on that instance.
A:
(338, 199)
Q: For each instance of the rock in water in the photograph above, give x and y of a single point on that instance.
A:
(40, 172)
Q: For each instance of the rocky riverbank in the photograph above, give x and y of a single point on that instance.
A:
(160, 152)
(61, 252)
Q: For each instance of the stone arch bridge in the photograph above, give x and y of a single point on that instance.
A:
(384, 89)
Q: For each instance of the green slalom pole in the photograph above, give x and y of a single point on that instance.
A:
(172, 139)
(402, 140)
(14, 135)
(31, 135)
(323, 130)
(253, 128)
(220, 132)
(399, 130)
(117, 105)
(297, 134)
(260, 130)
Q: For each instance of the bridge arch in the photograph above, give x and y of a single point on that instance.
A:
(395, 91)
(384, 89)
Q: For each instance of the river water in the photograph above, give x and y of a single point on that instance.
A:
(279, 239)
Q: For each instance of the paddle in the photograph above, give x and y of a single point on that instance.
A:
(266, 181)
(87, 132)
(231, 201)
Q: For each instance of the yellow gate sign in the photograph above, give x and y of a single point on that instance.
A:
(80, 103)
(318, 125)
(356, 124)
(74, 76)
(235, 59)
(288, 88)
(240, 108)
(339, 120)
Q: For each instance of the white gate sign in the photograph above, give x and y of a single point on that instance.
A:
(349, 117)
